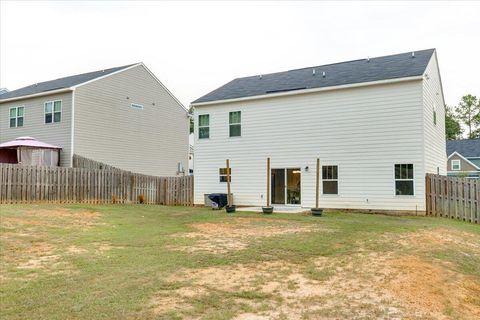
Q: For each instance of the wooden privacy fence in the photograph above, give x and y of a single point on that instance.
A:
(453, 197)
(27, 184)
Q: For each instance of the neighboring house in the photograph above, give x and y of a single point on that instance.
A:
(124, 117)
(464, 158)
(376, 124)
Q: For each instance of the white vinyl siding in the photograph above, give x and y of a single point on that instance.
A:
(34, 123)
(434, 120)
(150, 141)
(357, 129)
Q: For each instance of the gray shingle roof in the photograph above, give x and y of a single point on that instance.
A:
(60, 83)
(349, 72)
(469, 148)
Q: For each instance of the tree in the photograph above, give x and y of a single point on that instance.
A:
(468, 111)
(453, 130)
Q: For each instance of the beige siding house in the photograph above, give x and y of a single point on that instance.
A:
(376, 124)
(464, 158)
(123, 117)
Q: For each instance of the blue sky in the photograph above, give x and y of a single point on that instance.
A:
(194, 47)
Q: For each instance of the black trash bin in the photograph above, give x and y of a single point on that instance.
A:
(219, 198)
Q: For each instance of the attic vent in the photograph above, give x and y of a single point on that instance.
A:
(413, 54)
(313, 72)
(323, 74)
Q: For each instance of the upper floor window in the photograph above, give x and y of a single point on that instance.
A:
(456, 165)
(53, 111)
(235, 122)
(16, 116)
(404, 179)
(330, 179)
(204, 126)
(136, 106)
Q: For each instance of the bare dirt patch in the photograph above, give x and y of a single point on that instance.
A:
(425, 239)
(435, 290)
(224, 237)
(367, 285)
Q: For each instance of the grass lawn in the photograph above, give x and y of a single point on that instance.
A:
(154, 262)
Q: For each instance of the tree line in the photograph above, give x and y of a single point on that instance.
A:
(467, 112)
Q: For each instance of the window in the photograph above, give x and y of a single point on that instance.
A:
(330, 179)
(204, 126)
(404, 179)
(136, 106)
(235, 121)
(53, 111)
(456, 165)
(222, 173)
(16, 116)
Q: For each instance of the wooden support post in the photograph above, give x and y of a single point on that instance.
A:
(268, 182)
(317, 183)
(229, 201)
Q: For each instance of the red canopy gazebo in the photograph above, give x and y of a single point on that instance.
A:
(30, 152)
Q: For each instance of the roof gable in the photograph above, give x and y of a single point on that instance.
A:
(468, 148)
(61, 83)
(350, 72)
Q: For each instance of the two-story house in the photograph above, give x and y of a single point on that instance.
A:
(376, 124)
(464, 158)
(124, 117)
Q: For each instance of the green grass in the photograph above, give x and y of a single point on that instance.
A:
(120, 281)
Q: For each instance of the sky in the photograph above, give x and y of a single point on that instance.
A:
(195, 47)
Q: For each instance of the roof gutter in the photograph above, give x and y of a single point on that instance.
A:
(44, 93)
(305, 91)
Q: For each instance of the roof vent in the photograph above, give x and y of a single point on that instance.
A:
(313, 72)
(260, 77)
(368, 59)
(323, 74)
(413, 54)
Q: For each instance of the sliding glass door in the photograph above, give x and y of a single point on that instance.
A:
(286, 186)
